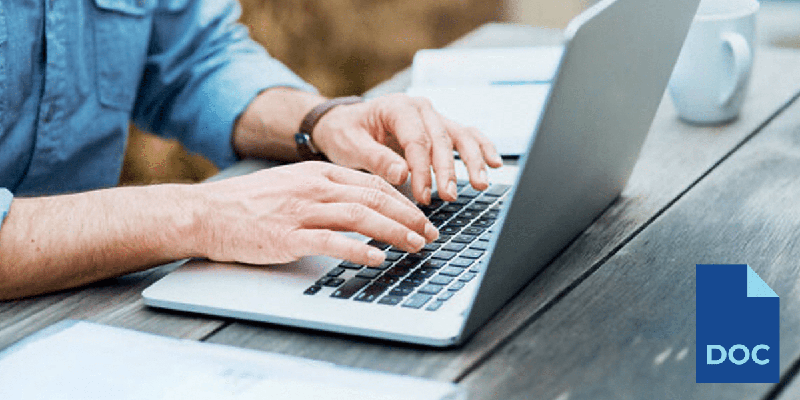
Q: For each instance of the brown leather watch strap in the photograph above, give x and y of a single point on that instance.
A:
(303, 138)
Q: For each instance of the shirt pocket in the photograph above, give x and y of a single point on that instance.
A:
(121, 33)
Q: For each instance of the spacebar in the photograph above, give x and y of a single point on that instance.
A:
(350, 288)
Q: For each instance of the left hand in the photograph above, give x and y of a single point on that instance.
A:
(376, 136)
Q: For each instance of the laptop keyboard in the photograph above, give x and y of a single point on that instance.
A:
(432, 276)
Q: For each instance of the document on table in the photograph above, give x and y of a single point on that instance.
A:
(500, 91)
(82, 360)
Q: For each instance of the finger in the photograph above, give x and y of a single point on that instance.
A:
(442, 152)
(490, 153)
(353, 217)
(470, 152)
(405, 122)
(403, 212)
(315, 242)
(383, 161)
(350, 177)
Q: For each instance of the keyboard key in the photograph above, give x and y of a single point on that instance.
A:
(454, 247)
(435, 305)
(483, 223)
(467, 214)
(391, 300)
(336, 271)
(371, 293)
(378, 244)
(350, 265)
(446, 295)
(382, 266)
(485, 199)
(479, 245)
(461, 262)
(431, 289)
(322, 281)
(467, 277)
(387, 280)
(473, 230)
(350, 288)
(427, 272)
(464, 238)
(369, 273)
(458, 285)
(441, 280)
(431, 246)
(417, 300)
(477, 207)
(438, 221)
(333, 282)
(444, 255)
(433, 264)
(398, 271)
(459, 222)
(461, 184)
(497, 189)
(402, 291)
(451, 271)
(451, 208)
(461, 201)
(313, 289)
(469, 193)
(449, 229)
(394, 255)
(409, 262)
(442, 238)
(413, 280)
(471, 253)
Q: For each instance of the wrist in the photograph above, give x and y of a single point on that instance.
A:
(267, 127)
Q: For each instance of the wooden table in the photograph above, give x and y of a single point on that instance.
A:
(611, 317)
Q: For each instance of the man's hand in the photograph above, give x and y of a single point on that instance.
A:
(389, 136)
(373, 135)
(281, 214)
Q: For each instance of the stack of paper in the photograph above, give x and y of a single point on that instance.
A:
(80, 360)
(500, 91)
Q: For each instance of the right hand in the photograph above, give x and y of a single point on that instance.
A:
(281, 214)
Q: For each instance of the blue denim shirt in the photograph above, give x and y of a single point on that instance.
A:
(73, 73)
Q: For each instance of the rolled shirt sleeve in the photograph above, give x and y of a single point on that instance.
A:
(5, 204)
(201, 73)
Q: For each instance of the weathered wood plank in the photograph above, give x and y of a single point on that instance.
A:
(628, 330)
(674, 157)
(115, 302)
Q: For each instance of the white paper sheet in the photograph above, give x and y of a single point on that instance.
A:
(507, 115)
(485, 66)
(80, 360)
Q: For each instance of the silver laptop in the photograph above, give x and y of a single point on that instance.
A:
(618, 57)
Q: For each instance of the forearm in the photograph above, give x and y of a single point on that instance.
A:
(53, 243)
(266, 128)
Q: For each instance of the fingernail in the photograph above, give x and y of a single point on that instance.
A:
(395, 174)
(415, 240)
(452, 190)
(497, 159)
(431, 232)
(375, 255)
(483, 177)
(426, 195)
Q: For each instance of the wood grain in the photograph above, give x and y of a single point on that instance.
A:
(628, 330)
(115, 302)
(675, 156)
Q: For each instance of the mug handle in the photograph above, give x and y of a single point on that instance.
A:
(742, 60)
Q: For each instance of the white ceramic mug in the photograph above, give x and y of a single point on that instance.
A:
(711, 76)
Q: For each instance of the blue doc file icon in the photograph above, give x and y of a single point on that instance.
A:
(737, 326)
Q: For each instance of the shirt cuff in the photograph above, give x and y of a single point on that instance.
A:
(233, 90)
(5, 204)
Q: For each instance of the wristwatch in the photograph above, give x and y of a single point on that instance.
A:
(303, 139)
